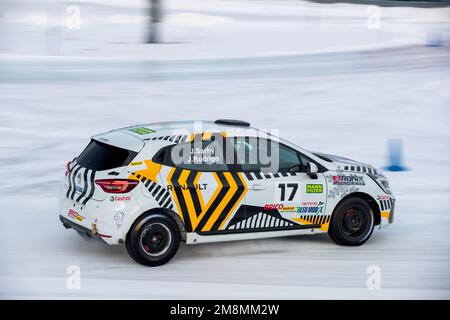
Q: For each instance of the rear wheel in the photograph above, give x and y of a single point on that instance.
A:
(352, 222)
(153, 240)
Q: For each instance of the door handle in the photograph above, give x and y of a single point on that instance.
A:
(256, 187)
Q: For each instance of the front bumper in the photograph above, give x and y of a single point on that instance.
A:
(391, 214)
(387, 209)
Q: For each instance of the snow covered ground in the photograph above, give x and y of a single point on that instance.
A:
(344, 101)
(211, 28)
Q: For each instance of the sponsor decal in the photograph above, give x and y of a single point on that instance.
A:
(348, 180)
(337, 190)
(136, 163)
(142, 130)
(311, 203)
(314, 188)
(73, 214)
(79, 189)
(273, 206)
(118, 217)
(313, 207)
(198, 186)
(120, 198)
(288, 209)
(384, 197)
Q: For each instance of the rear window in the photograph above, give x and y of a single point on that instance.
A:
(101, 156)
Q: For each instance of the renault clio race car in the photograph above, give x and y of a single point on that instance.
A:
(151, 186)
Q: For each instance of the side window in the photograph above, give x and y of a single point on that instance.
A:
(288, 158)
(196, 156)
(258, 154)
(247, 153)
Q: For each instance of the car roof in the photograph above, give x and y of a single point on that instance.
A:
(181, 131)
(151, 131)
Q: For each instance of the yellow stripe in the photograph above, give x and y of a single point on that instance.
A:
(182, 181)
(174, 195)
(199, 193)
(207, 135)
(237, 202)
(302, 221)
(222, 203)
(151, 172)
(208, 205)
(193, 136)
(385, 214)
(325, 226)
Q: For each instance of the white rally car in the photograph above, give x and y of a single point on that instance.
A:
(151, 186)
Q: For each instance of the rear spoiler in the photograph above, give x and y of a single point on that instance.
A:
(120, 139)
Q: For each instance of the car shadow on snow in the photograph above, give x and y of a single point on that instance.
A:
(245, 248)
(93, 247)
(117, 255)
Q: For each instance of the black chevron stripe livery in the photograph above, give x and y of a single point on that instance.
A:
(179, 194)
(174, 138)
(358, 168)
(158, 192)
(193, 192)
(69, 177)
(314, 219)
(256, 175)
(240, 190)
(85, 189)
(72, 195)
(91, 192)
(217, 200)
(251, 217)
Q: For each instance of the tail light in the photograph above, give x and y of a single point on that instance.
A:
(117, 185)
(68, 168)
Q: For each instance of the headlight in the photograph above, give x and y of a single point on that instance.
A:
(381, 181)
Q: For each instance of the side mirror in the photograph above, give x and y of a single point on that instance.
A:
(295, 168)
(311, 170)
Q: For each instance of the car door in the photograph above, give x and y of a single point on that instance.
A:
(206, 190)
(280, 193)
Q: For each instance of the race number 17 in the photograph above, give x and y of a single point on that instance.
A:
(287, 191)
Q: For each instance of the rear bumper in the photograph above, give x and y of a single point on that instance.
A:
(110, 219)
(72, 225)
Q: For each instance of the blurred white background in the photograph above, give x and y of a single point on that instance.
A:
(337, 78)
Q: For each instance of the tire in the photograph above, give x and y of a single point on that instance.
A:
(153, 240)
(352, 222)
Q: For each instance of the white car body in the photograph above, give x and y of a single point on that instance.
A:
(216, 205)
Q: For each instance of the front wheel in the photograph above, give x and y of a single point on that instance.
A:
(352, 222)
(153, 240)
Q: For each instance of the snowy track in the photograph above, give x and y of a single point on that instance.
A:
(47, 70)
(40, 133)
(346, 103)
